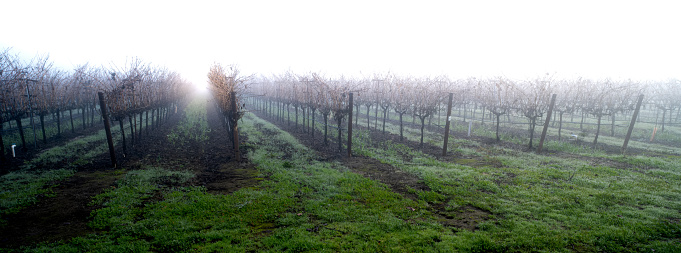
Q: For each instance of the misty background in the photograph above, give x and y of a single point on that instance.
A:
(517, 39)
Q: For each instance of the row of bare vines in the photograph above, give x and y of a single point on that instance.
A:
(228, 86)
(36, 88)
(423, 98)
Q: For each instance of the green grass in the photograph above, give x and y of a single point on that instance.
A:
(50, 129)
(640, 136)
(548, 203)
(544, 197)
(553, 203)
(305, 205)
(537, 203)
(194, 125)
(122, 203)
(75, 152)
(19, 189)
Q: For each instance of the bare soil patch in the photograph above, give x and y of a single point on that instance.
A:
(60, 217)
(466, 217)
(399, 181)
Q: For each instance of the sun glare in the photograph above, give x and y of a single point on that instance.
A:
(202, 88)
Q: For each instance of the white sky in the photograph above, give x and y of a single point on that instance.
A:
(518, 39)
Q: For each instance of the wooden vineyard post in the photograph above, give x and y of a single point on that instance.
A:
(631, 125)
(235, 130)
(546, 124)
(107, 128)
(2, 144)
(350, 126)
(449, 115)
(21, 134)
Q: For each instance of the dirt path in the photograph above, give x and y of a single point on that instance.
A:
(212, 161)
(221, 173)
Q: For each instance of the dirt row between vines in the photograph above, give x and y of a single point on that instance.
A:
(400, 182)
(66, 213)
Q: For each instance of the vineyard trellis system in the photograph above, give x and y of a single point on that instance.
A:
(37, 89)
(425, 98)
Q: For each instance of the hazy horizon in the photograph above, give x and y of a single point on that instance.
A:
(517, 39)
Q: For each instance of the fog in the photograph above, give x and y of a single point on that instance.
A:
(516, 39)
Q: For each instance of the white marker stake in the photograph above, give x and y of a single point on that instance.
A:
(14, 154)
(470, 124)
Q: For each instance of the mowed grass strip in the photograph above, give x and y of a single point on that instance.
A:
(193, 126)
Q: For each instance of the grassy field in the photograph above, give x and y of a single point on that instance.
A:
(481, 198)
(581, 199)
